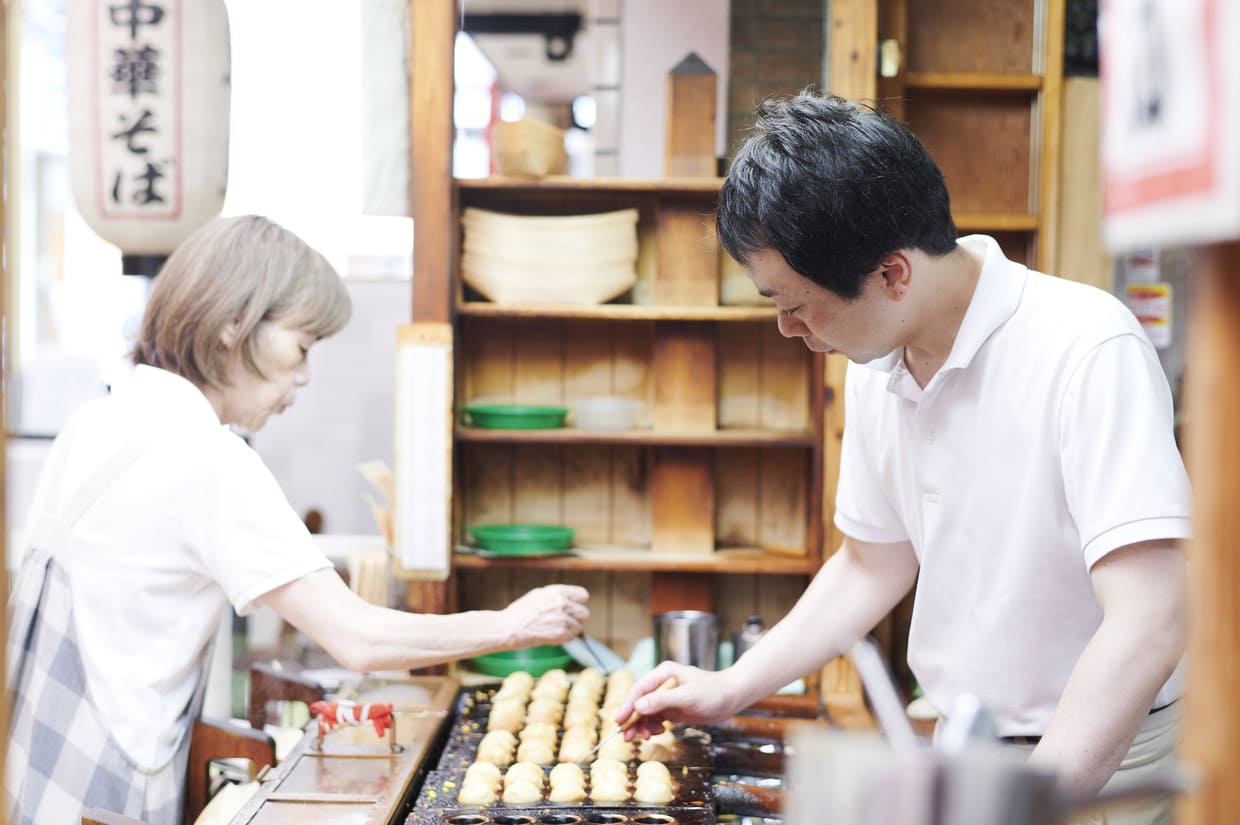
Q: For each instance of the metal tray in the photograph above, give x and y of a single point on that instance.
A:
(693, 790)
(551, 816)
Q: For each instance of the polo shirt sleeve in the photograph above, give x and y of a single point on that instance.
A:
(1124, 479)
(254, 541)
(863, 508)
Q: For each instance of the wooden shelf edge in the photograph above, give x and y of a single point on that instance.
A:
(996, 222)
(733, 560)
(570, 435)
(617, 312)
(564, 182)
(974, 81)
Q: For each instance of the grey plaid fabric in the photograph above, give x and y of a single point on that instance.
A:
(61, 760)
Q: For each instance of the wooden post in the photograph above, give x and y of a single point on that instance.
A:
(689, 143)
(433, 199)
(1212, 410)
(6, 255)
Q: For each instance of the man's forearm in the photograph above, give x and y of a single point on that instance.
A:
(851, 593)
(1107, 698)
(1142, 592)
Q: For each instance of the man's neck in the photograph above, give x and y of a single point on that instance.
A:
(950, 282)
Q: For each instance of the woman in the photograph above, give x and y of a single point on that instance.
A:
(151, 516)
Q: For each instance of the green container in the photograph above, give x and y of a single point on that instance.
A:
(535, 660)
(522, 539)
(515, 416)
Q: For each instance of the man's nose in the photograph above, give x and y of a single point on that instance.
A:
(790, 327)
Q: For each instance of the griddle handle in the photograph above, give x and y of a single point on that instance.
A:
(733, 757)
(761, 727)
(748, 800)
(802, 706)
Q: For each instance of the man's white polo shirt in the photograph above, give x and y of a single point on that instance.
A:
(1043, 443)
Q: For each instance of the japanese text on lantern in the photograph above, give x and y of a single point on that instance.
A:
(137, 98)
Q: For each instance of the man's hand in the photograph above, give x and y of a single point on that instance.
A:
(701, 697)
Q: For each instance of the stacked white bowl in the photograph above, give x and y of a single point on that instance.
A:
(557, 259)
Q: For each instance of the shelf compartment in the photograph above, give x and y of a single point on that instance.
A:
(738, 377)
(975, 222)
(617, 495)
(569, 435)
(618, 312)
(974, 81)
(564, 183)
(986, 36)
(995, 182)
(741, 560)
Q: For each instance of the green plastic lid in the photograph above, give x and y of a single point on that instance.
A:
(516, 416)
(522, 539)
(535, 660)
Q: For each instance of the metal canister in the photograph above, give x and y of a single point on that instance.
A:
(747, 636)
(690, 637)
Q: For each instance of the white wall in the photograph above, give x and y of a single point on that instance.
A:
(344, 415)
(657, 36)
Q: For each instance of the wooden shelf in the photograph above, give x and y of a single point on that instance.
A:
(747, 560)
(974, 81)
(662, 186)
(617, 312)
(569, 435)
(979, 222)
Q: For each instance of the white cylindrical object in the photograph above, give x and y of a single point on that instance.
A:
(149, 93)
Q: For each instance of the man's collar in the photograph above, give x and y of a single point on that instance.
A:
(994, 301)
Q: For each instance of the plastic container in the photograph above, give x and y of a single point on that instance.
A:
(605, 413)
(522, 539)
(515, 416)
(534, 660)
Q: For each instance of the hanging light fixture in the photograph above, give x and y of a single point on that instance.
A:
(149, 92)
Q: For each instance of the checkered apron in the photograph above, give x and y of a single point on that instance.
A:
(61, 760)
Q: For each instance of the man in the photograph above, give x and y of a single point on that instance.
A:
(1008, 448)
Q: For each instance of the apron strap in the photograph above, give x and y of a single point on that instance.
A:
(51, 530)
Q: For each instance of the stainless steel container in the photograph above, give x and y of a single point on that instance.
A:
(690, 637)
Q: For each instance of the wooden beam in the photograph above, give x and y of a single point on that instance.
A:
(1212, 404)
(1050, 135)
(433, 24)
(852, 51)
(432, 198)
(689, 143)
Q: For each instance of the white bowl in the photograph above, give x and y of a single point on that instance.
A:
(507, 282)
(547, 238)
(605, 413)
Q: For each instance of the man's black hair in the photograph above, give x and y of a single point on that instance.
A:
(833, 186)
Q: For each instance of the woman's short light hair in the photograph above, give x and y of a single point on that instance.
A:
(240, 271)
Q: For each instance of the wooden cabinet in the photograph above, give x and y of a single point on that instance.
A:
(979, 82)
(723, 475)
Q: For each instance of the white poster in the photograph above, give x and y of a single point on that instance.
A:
(1170, 108)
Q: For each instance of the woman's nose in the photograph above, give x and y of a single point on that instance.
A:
(302, 378)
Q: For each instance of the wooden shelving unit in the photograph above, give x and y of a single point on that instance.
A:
(979, 82)
(727, 402)
(722, 477)
(616, 312)
(568, 435)
(732, 561)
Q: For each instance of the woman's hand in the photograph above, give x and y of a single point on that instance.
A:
(700, 697)
(546, 615)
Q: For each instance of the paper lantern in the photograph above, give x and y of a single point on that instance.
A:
(149, 92)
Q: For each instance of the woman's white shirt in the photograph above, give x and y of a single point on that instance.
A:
(197, 522)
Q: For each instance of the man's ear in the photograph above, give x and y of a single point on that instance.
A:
(896, 271)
